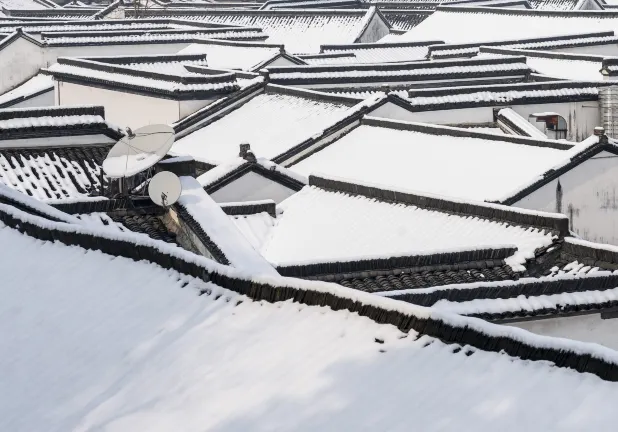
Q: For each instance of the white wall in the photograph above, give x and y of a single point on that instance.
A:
(375, 31)
(585, 328)
(281, 61)
(581, 117)
(252, 187)
(19, 61)
(122, 109)
(590, 198)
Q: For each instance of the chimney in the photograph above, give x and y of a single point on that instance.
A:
(246, 153)
(608, 105)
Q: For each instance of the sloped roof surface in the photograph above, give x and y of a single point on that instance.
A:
(386, 54)
(490, 24)
(53, 174)
(125, 333)
(334, 226)
(464, 167)
(300, 32)
(271, 123)
(231, 56)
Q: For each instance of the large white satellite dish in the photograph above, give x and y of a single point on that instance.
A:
(138, 151)
(164, 188)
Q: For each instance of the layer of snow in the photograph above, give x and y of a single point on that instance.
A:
(135, 348)
(567, 69)
(150, 83)
(320, 226)
(300, 32)
(221, 229)
(50, 121)
(270, 123)
(521, 123)
(387, 54)
(256, 227)
(232, 56)
(469, 168)
(152, 37)
(34, 85)
(492, 24)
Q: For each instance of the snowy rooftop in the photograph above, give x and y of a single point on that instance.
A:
(141, 330)
(34, 86)
(301, 31)
(336, 226)
(248, 57)
(272, 123)
(399, 72)
(164, 75)
(383, 52)
(436, 160)
(490, 24)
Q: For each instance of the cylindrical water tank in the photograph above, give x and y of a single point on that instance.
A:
(608, 103)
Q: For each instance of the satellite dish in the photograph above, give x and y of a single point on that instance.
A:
(164, 188)
(138, 150)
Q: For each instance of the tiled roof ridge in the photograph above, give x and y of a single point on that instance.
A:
(18, 34)
(136, 205)
(25, 13)
(52, 111)
(142, 58)
(289, 12)
(127, 70)
(197, 32)
(499, 88)
(529, 287)
(542, 54)
(247, 44)
(106, 10)
(21, 98)
(272, 174)
(455, 46)
(527, 12)
(197, 228)
(449, 328)
(372, 45)
(463, 132)
(250, 208)
(312, 94)
(183, 125)
(555, 172)
(176, 93)
(425, 64)
(603, 253)
(548, 221)
(430, 259)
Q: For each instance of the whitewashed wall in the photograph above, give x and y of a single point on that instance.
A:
(252, 187)
(581, 117)
(585, 328)
(19, 61)
(187, 107)
(122, 109)
(589, 198)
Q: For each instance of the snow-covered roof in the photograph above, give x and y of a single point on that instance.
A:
(272, 122)
(335, 226)
(398, 73)
(556, 65)
(20, 4)
(502, 94)
(243, 56)
(139, 327)
(536, 43)
(490, 24)
(153, 75)
(301, 31)
(402, 19)
(34, 86)
(383, 52)
(514, 124)
(433, 159)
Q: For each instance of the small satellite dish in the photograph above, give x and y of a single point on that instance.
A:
(138, 150)
(164, 188)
